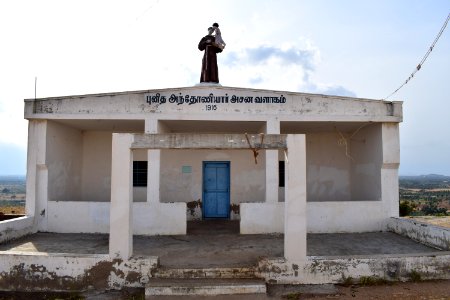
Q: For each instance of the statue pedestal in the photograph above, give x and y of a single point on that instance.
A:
(208, 84)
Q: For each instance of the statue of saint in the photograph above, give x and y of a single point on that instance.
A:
(211, 44)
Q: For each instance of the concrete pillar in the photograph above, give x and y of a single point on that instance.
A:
(154, 165)
(160, 218)
(389, 168)
(295, 199)
(121, 212)
(37, 174)
(41, 209)
(272, 127)
(267, 217)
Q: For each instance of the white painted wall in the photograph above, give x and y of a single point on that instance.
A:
(322, 270)
(297, 106)
(15, 228)
(366, 151)
(96, 171)
(347, 172)
(327, 168)
(345, 216)
(328, 172)
(94, 163)
(260, 218)
(64, 161)
(159, 219)
(62, 272)
(93, 217)
(328, 177)
(425, 233)
(78, 216)
(322, 217)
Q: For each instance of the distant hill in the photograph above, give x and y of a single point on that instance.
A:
(12, 178)
(431, 181)
(429, 177)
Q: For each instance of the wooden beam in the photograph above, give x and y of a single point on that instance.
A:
(209, 141)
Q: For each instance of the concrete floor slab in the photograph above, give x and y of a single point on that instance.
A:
(367, 243)
(215, 244)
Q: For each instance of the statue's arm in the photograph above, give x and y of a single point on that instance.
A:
(202, 44)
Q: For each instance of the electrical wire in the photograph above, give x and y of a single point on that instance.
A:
(419, 66)
(146, 10)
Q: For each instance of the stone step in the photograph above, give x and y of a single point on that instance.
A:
(185, 287)
(218, 273)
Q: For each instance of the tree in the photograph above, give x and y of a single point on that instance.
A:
(405, 208)
(432, 209)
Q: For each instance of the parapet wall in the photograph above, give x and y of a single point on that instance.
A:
(428, 234)
(61, 272)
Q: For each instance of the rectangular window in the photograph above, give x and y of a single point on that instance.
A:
(281, 173)
(140, 173)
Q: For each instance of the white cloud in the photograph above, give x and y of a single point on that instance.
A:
(287, 67)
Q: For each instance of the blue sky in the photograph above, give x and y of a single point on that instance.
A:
(348, 47)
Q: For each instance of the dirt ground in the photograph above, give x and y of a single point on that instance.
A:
(12, 210)
(425, 290)
(401, 290)
(439, 221)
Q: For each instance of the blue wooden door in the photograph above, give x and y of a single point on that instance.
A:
(216, 189)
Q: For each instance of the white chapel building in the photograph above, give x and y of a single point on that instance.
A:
(146, 162)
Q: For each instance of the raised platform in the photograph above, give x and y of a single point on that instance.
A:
(203, 249)
(211, 250)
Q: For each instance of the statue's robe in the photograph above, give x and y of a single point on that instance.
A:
(210, 71)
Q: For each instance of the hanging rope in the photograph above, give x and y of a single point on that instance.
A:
(254, 148)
